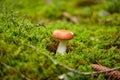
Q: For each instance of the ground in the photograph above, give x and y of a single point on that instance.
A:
(27, 48)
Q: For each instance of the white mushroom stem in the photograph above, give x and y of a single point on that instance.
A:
(62, 47)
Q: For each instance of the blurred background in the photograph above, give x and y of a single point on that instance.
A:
(103, 12)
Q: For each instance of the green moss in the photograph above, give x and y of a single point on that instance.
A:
(96, 39)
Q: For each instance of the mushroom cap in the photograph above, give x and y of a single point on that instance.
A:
(62, 34)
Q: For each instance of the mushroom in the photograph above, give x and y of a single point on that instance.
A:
(63, 36)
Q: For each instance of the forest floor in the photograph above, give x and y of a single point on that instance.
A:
(28, 50)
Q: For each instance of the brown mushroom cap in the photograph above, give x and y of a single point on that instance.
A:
(62, 34)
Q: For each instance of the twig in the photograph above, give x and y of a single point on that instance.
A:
(66, 67)
(19, 73)
(73, 19)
